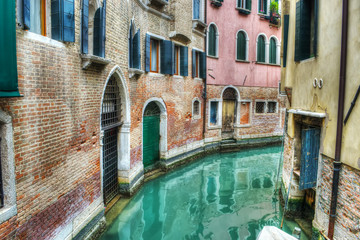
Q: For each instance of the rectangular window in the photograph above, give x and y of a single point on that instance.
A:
(154, 55)
(177, 60)
(260, 107)
(306, 29)
(213, 113)
(262, 6)
(38, 17)
(271, 107)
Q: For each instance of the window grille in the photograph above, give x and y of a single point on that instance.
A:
(1, 183)
(229, 94)
(260, 107)
(196, 107)
(111, 107)
(152, 109)
(271, 107)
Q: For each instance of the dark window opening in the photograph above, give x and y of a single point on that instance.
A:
(196, 107)
(271, 107)
(260, 107)
(111, 107)
(213, 112)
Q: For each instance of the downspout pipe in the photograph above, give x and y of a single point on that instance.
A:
(340, 119)
(205, 90)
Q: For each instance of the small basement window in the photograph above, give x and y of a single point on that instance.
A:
(196, 109)
(271, 107)
(213, 113)
(260, 107)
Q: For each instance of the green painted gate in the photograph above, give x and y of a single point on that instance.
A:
(151, 134)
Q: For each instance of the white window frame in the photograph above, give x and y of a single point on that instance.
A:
(8, 168)
(216, 41)
(195, 116)
(247, 46)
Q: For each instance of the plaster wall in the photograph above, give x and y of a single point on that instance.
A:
(300, 76)
(225, 69)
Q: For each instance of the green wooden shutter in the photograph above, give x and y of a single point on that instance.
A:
(241, 46)
(8, 63)
(261, 50)
(147, 53)
(85, 27)
(202, 67)
(167, 57)
(272, 57)
(286, 36)
(184, 68)
(103, 29)
(316, 28)
(265, 6)
(131, 51)
(193, 66)
(26, 14)
(136, 51)
(56, 20)
(97, 29)
(303, 30)
(248, 5)
(212, 41)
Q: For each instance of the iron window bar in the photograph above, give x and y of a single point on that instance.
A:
(352, 106)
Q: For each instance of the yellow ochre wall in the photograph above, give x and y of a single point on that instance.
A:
(300, 76)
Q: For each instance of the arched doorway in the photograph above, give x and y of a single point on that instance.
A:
(151, 134)
(229, 108)
(110, 123)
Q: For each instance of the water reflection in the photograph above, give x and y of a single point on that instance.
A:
(223, 196)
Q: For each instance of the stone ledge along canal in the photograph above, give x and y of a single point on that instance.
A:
(221, 196)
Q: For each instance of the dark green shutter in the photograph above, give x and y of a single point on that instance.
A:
(103, 29)
(272, 55)
(193, 66)
(212, 41)
(261, 49)
(167, 57)
(202, 67)
(184, 69)
(265, 6)
(147, 53)
(303, 30)
(26, 14)
(286, 36)
(85, 27)
(69, 21)
(131, 51)
(136, 51)
(56, 20)
(241, 46)
(248, 5)
(316, 28)
(8, 63)
(97, 29)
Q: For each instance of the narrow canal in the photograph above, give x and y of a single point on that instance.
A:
(222, 196)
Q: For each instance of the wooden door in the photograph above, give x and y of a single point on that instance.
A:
(228, 115)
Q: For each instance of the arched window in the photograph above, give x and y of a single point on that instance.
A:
(272, 53)
(196, 109)
(241, 46)
(261, 49)
(212, 41)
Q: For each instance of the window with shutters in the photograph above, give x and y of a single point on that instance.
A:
(271, 107)
(260, 49)
(244, 6)
(272, 53)
(262, 6)
(177, 60)
(260, 106)
(242, 46)
(213, 41)
(306, 29)
(198, 64)
(154, 55)
(38, 17)
(196, 107)
(198, 10)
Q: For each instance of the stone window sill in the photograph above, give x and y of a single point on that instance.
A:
(269, 64)
(7, 212)
(178, 77)
(197, 117)
(155, 74)
(243, 11)
(88, 60)
(212, 127)
(242, 61)
(242, 125)
(134, 71)
(215, 57)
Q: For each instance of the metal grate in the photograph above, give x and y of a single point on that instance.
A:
(260, 107)
(111, 106)
(1, 183)
(271, 107)
(110, 156)
(229, 94)
(196, 107)
(152, 109)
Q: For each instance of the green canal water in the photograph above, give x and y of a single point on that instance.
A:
(222, 196)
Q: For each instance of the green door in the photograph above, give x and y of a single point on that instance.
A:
(151, 135)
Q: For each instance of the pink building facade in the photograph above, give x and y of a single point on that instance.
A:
(243, 63)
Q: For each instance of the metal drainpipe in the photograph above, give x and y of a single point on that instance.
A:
(339, 130)
(205, 93)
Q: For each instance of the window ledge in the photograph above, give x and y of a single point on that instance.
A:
(198, 79)
(196, 117)
(243, 11)
(310, 59)
(178, 77)
(215, 57)
(214, 127)
(43, 39)
(88, 60)
(269, 64)
(199, 22)
(242, 125)
(155, 74)
(134, 71)
(242, 61)
(7, 212)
